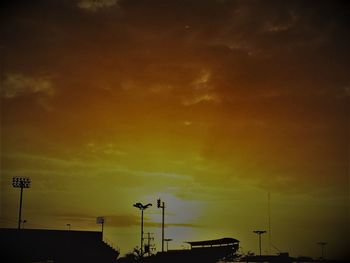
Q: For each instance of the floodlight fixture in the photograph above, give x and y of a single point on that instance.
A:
(138, 205)
(21, 182)
(146, 206)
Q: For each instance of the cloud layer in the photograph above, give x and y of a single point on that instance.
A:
(204, 102)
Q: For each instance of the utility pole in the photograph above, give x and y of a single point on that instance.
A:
(161, 204)
(149, 246)
(259, 232)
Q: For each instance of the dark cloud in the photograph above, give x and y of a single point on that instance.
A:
(170, 42)
(272, 74)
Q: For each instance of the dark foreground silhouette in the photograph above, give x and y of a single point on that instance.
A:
(56, 246)
(208, 251)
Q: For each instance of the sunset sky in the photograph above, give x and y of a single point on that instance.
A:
(206, 104)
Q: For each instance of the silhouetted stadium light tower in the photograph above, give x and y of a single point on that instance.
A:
(259, 232)
(142, 208)
(21, 182)
(322, 244)
(161, 204)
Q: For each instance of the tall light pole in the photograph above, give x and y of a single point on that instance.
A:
(167, 243)
(259, 232)
(142, 208)
(21, 182)
(322, 244)
(68, 226)
(161, 204)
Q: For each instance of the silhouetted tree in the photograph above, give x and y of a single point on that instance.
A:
(131, 257)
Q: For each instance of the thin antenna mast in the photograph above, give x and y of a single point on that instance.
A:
(269, 219)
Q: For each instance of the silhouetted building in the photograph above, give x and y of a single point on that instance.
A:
(32, 245)
(208, 251)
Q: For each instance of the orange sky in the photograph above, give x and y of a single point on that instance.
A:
(206, 104)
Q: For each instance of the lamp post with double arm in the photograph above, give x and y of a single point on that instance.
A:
(142, 208)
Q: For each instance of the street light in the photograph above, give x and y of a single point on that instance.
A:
(68, 226)
(142, 207)
(21, 182)
(259, 232)
(322, 244)
(161, 204)
(167, 243)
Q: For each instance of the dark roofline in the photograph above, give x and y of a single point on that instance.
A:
(214, 242)
(50, 231)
